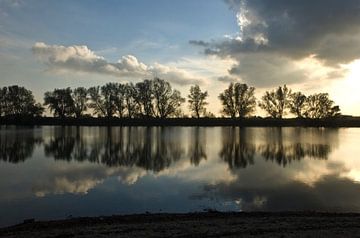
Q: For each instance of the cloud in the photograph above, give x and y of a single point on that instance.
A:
(228, 79)
(81, 179)
(79, 58)
(290, 196)
(297, 29)
(274, 36)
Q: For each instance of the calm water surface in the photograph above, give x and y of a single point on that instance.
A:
(56, 172)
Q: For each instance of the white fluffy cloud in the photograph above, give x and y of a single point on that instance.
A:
(79, 58)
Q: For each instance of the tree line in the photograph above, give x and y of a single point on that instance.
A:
(157, 99)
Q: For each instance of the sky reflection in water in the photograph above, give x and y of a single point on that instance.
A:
(54, 172)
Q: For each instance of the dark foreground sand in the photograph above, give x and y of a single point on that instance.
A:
(212, 224)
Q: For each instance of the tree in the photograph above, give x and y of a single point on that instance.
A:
(130, 100)
(119, 94)
(108, 100)
(18, 101)
(320, 106)
(167, 101)
(197, 101)
(3, 101)
(276, 102)
(228, 102)
(145, 97)
(79, 96)
(96, 102)
(297, 104)
(245, 100)
(238, 100)
(107, 92)
(60, 102)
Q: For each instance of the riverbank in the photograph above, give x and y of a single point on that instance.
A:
(209, 224)
(347, 121)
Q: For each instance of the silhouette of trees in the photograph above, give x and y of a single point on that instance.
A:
(18, 101)
(96, 102)
(119, 94)
(320, 106)
(130, 99)
(79, 96)
(108, 100)
(297, 104)
(276, 101)
(145, 98)
(148, 98)
(156, 98)
(60, 102)
(238, 100)
(3, 102)
(197, 101)
(167, 100)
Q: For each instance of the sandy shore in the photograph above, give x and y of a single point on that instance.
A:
(212, 224)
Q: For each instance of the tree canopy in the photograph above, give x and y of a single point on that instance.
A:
(276, 102)
(18, 101)
(197, 101)
(238, 100)
(156, 98)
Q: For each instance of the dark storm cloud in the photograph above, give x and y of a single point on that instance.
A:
(328, 28)
(274, 34)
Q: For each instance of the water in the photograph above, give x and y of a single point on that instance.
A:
(57, 172)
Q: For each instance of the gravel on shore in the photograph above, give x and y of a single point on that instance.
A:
(207, 224)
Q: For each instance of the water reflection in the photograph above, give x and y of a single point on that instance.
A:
(284, 146)
(152, 148)
(238, 149)
(156, 148)
(18, 145)
(331, 192)
(197, 147)
(107, 170)
(240, 145)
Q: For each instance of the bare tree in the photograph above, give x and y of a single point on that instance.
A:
(197, 101)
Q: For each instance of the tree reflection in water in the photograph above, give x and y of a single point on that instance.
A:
(237, 150)
(240, 145)
(284, 146)
(197, 146)
(151, 148)
(156, 148)
(18, 145)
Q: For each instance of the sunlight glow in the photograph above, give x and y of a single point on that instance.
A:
(346, 92)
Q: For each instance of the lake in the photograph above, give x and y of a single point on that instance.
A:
(55, 172)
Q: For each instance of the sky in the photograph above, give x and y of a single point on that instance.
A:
(311, 46)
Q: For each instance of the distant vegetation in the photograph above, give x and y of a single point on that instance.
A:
(157, 99)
